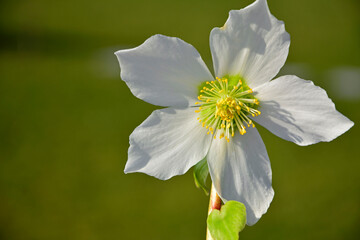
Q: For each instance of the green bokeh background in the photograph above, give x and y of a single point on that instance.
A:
(65, 119)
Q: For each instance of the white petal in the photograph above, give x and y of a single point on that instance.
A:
(163, 71)
(252, 43)
(298, 111)
(167, 143)
(241, 171)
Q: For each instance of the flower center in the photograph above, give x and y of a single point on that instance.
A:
(225, 105)
(226, 108)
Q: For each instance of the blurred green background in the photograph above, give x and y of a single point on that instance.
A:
(65, 119)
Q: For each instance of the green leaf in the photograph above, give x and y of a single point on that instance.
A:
(228, 222)
(201, 172)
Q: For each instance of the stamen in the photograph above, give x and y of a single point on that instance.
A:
(224, 107)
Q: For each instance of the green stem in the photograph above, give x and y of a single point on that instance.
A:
(214, 203)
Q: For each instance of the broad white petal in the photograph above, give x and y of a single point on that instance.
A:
(163, 71)
(241, 171)
(298, 111)
(252, 44)
(167, 143)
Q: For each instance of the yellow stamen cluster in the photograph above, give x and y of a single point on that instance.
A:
(225, 109)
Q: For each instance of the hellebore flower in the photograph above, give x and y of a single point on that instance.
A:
(247, 52)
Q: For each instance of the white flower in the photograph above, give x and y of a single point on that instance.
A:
(247, 53)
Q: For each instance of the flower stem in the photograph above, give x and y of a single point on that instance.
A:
(214, 203)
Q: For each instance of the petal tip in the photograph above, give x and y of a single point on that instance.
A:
(257, 215)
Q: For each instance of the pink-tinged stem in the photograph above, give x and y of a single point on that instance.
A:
(215, 203)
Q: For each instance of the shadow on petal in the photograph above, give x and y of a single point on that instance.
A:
(281, 115)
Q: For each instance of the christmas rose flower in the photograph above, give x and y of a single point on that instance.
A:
(214, 117)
